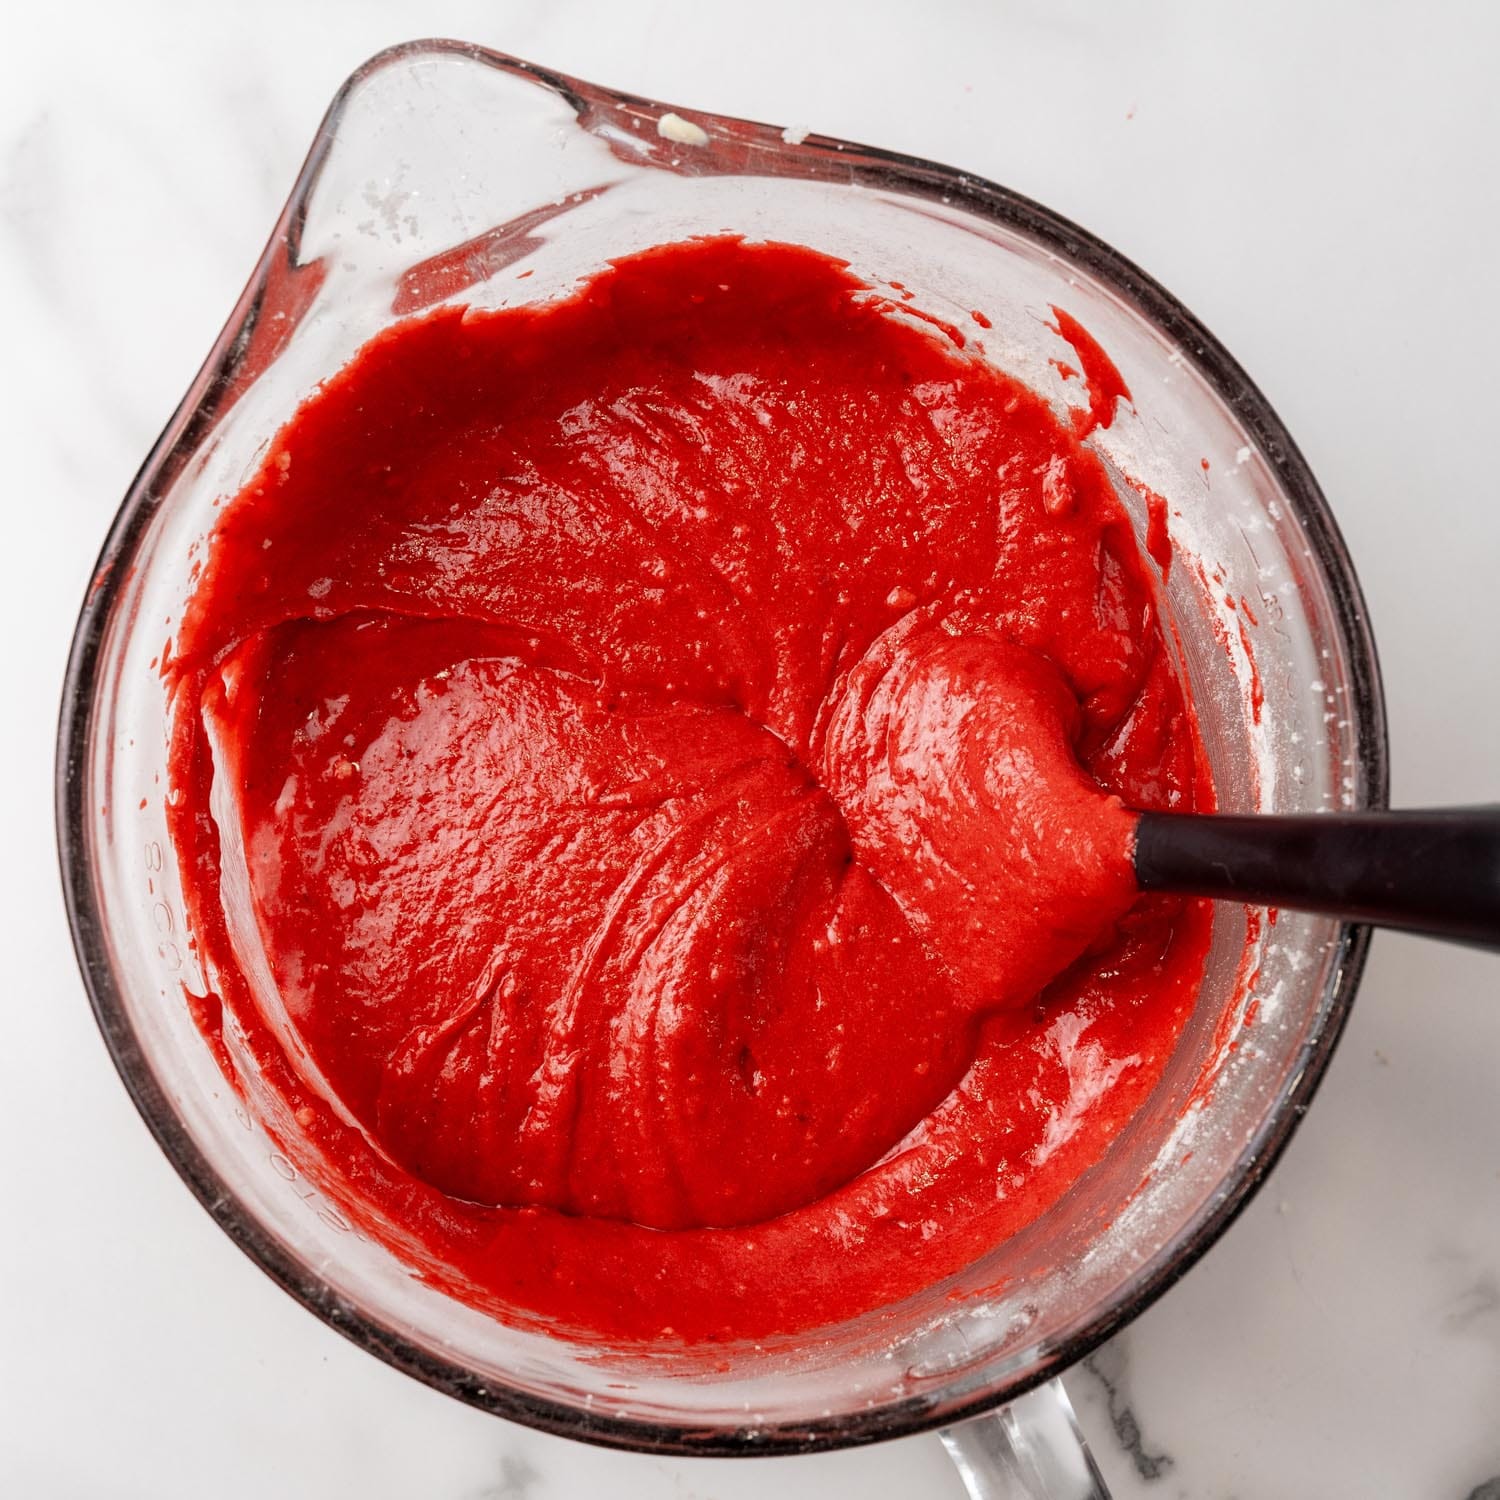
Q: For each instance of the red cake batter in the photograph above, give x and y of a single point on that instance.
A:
(640, 776)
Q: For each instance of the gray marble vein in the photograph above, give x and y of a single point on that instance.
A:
(1109, 1365)
(517, 1480)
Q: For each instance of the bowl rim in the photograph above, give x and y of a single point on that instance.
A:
(194, 415)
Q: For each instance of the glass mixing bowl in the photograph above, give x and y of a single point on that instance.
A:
(446, 173)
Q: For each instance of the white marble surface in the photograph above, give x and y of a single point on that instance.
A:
(1318, 183)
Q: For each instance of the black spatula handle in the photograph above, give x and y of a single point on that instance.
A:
(1435, 872)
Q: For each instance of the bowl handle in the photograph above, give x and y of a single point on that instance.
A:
(1033, 1448)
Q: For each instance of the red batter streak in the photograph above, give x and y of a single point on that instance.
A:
(639, 770)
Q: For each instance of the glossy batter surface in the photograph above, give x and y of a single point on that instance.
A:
(640, 774)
